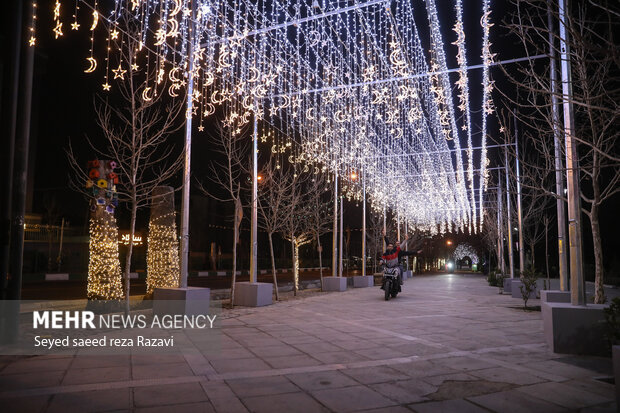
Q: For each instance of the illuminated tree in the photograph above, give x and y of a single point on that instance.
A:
(299, 227)
(104, 270)
(162, 256)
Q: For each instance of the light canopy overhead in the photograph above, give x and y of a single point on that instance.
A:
(337, 87)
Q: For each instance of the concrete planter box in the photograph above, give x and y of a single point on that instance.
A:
(184, 301)
(575, 329)
(508, 285)
(57, 277)
(540, 287)
(360, 281)
(334, 284)
(555, 296)
(615, 350)
(249, 294)
(407, 274)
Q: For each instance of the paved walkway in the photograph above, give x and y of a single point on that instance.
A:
(449, 343)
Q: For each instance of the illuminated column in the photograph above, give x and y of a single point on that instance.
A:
(335, 230)
(162, 256)
(363, 224)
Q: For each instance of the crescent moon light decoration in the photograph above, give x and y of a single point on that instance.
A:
(173, 88)
(95, 20)
(93, 65)
(172, 75)
(349, 89)
(145, 94)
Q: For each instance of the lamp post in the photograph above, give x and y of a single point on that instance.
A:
(187, 161)
(557, 146)
(577, 285)
(254, 233)
(510, 254)
(519, 210)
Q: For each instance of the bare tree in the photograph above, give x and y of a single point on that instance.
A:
(320, 217)
(273, 198)
(299, 228)
(226, 173)
(490, 232)
(136, 124)
(595, 64)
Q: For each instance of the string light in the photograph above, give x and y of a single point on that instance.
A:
(33, 25)
(104, 268)
(162, 257)
(342, 88)
(487, 103)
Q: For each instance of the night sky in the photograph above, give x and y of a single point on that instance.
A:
(63, 112)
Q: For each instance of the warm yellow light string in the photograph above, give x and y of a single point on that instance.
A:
(162, 257)
(33, 25)
(104, 269)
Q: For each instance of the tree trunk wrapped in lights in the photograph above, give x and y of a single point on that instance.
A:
(104, 268)
(162, 257)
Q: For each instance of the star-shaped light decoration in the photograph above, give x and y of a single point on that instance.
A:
(119, 73)
(58, 30)
(32, 41)
(75, 25)
(106, 86)
(201, 128)
(134, 67)
(114, 34)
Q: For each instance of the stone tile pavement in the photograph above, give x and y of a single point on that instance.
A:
(448, 343)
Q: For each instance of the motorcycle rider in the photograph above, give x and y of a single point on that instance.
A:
(391, 257)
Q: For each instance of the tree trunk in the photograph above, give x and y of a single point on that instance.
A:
(132, 228)
(273, 266)
(318, 240)
(234, 263)
(599, 291)
(547, 252)
(296, 273)
(533, 260)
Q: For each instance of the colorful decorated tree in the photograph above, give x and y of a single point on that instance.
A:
(104, 268)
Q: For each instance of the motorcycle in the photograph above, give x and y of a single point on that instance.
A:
(390, 282)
